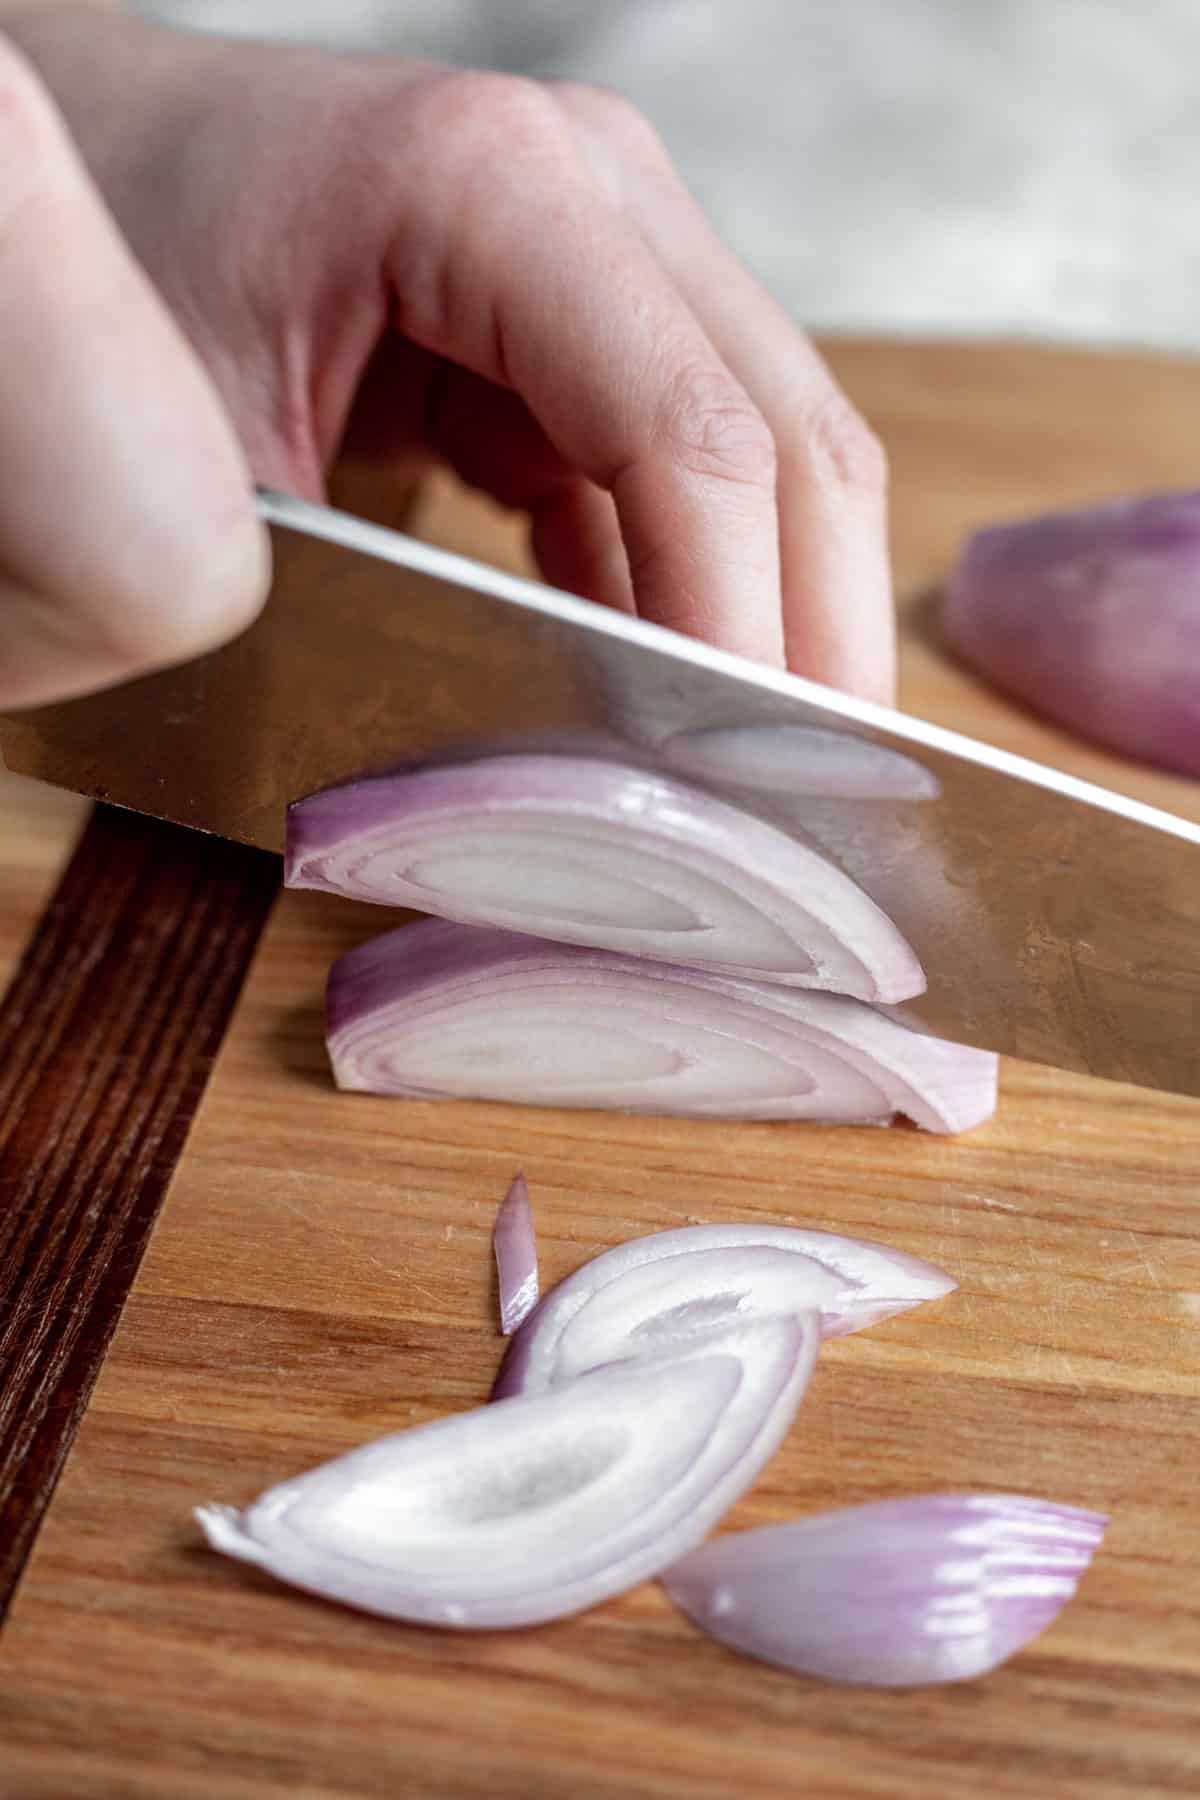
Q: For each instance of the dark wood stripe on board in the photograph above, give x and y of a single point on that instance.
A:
(108, 1033)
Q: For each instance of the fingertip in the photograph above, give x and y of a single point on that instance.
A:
(201, 578)
(838, 607)
(846, 642)
(200, 589)
(227, 584)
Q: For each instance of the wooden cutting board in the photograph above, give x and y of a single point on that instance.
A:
(320, 1273)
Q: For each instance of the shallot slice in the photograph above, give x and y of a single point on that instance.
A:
(438, 1009)
(532, 1509)
(586, 851)
(801, 759)
(932, 1588)
(652, 1294)
(515, 1249)
(1092, 618)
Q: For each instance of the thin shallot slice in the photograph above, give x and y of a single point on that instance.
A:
(932, 1588)
(1092, 618)
(439, 1009)
(515, 1247)
(649, 1295)
(801, 760)
(532, 1509)
(585, 851)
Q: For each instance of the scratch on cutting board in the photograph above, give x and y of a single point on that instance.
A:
(345, 1242)
(948, 1250)
(1063, 1369)
(1049, 1363)
(1140, 1261)
(1088, 1403)
(992, 1201)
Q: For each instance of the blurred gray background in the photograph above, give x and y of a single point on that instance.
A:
(972, 167)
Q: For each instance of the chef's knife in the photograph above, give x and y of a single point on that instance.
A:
(1055, 920)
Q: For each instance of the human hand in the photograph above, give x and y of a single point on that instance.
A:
(508, 276)
(127, 533)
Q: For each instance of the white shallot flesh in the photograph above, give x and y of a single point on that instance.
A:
(535, 1508)
(899, 1593)
(796, 760)
(581, 850)
(443, 1010)
(514, 1246)
(654, 1294)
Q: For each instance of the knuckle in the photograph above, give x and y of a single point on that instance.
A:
(488, 113)
(612, 116)
(29, 137)
(24, 104)
(715, 431)
(839, 443)
(618, 140)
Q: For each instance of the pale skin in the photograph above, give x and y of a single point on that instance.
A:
(221, 262)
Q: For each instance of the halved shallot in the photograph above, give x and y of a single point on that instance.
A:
(534, 1508)
(1092, 617)
(653, 1294)
(585, 851)
(932, 1588)
(439, 1009)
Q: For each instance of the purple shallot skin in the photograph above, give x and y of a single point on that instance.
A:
(439, 1008)
(583, 850)
(515, 1247)
(925, 1589)
(1092, 618)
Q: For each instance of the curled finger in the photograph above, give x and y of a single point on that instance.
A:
(522, 272)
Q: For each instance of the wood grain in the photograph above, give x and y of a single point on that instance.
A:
(321, 1273)
(107, 1035)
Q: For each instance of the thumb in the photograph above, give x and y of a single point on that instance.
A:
(128, 537)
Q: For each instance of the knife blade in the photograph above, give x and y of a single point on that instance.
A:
(1056, 921)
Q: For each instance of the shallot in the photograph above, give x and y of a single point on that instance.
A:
(1092, 618)
(652, 1294)
(636, 1404)
(515, 1249)
(534, 1508)
(585, 851)
(931, 1588)
(439, 1009)
(800, 760)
